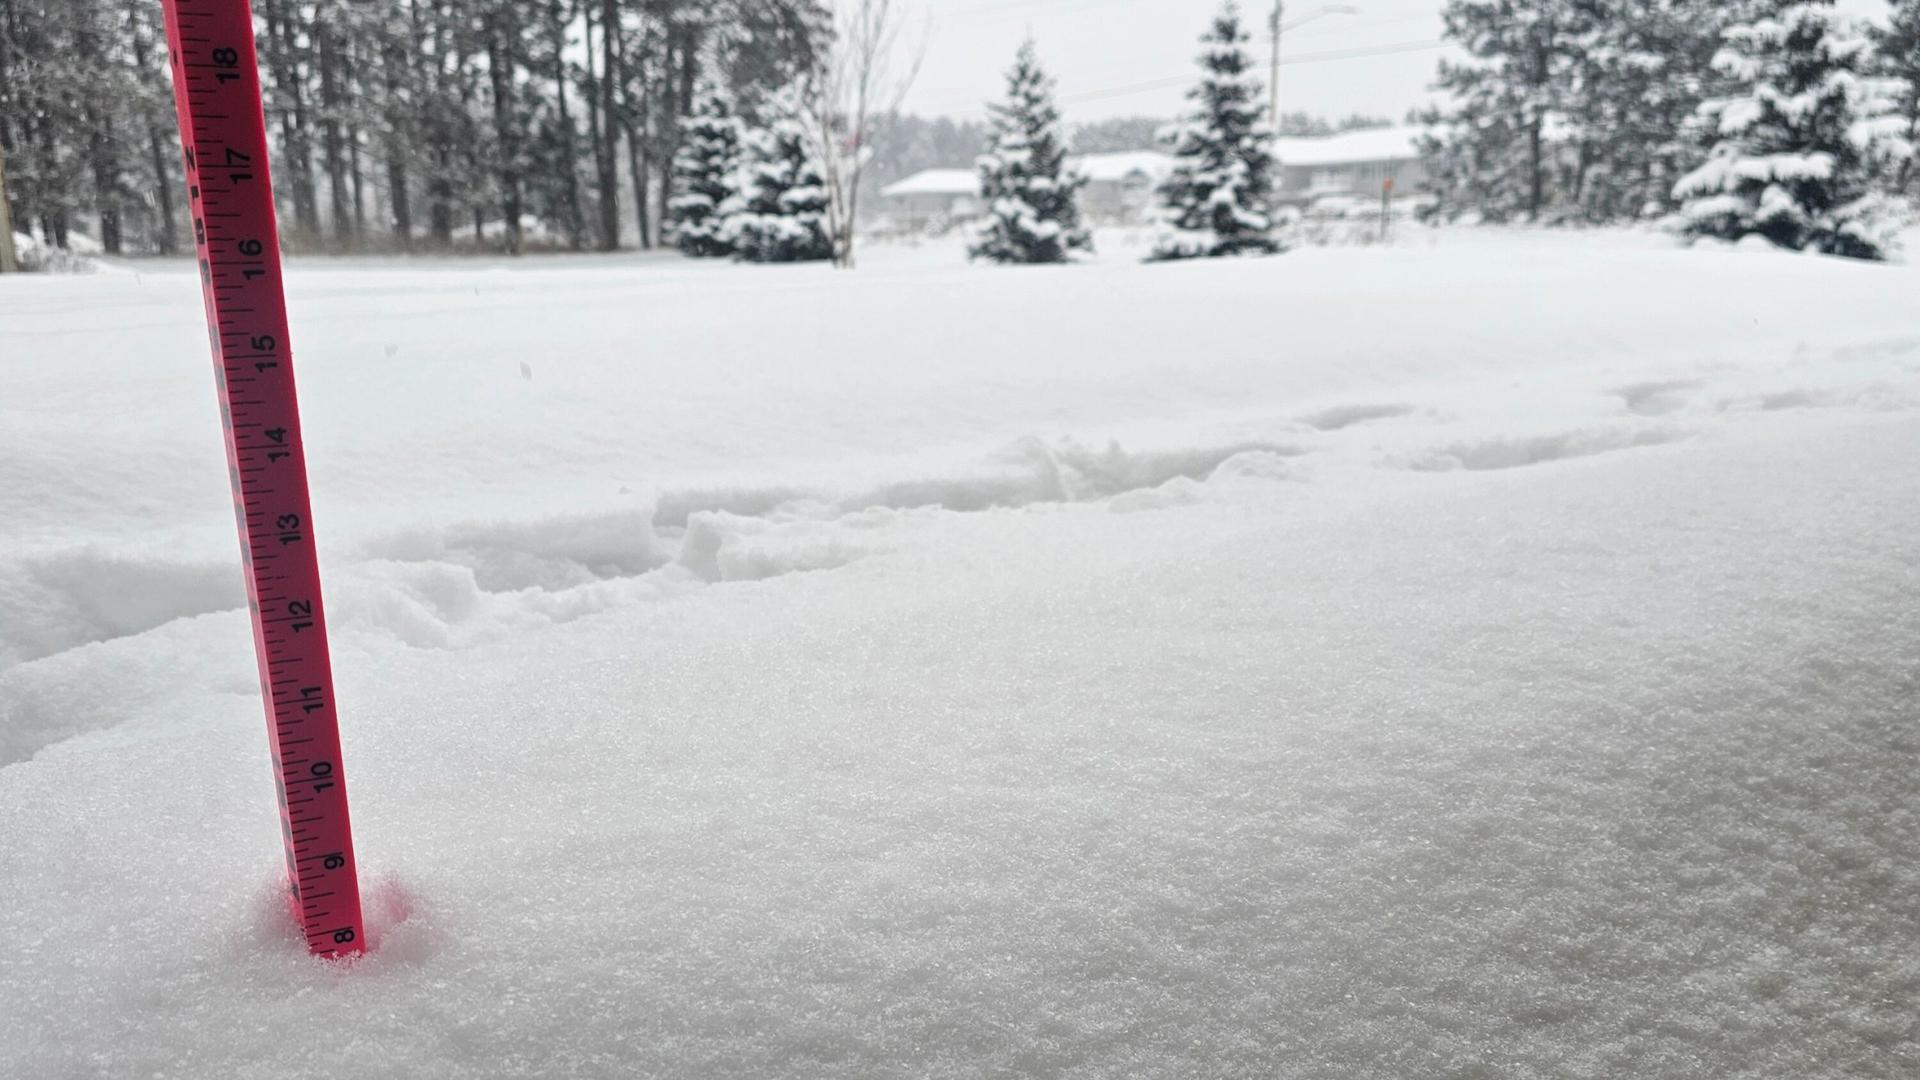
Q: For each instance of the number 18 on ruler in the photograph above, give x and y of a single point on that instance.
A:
(216, 89)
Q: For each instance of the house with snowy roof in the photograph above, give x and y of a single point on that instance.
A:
(1349, 168)
(931, 200)
(1332, 171)
(1120, 186)
(1119, 191)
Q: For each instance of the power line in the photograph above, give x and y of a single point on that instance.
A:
(1301, 58)
(1349, 26)
(994, 7)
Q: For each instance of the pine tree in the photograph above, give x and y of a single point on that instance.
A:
(432, 114)
(1638, 73)
(1216, 202)
(1570, 110)
(553, 182)
(1900, 60)
(778, 212)
(1028, 188)
(704, 174)
(1496, 150)
(1799, 144)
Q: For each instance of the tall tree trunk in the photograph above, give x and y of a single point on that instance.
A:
(500, 41)
(1907, 170)
(106, 179)
(166, 239)
(1536, 168)
(393, 60)
(8, 93)
(1536, 149)
(678, 66)
(633, 120)
(1579, 186)
(465, 155)
(296, 164)
(438, 138)
(9, 260)
(612, 71)
(400, 200)
(637, 165)
(102, 158)
(53, 213)
(306, 192)
(359, 182)
(327, 49)
(440, 210)
(568, 153)
(689, 67)
(596, 131)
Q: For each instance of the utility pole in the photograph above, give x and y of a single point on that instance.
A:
(1273, 82)
(9, 261)
(1278, 27)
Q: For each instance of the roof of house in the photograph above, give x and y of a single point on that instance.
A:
(1111, 167)
(936, 182)
(1151, 164)
(1351, 147)
(1346, 148)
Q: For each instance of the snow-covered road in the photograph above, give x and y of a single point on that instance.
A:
(1494, 656)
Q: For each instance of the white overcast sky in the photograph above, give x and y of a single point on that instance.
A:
(1134, 57)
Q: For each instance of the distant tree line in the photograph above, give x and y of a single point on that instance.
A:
(395, 124)
(1606, 110)
(915, 143)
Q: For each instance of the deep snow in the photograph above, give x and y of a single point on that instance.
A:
(1492, 656)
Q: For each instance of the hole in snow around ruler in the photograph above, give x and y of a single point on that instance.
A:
(398, 927)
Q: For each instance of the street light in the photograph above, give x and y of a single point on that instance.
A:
(1273, 85)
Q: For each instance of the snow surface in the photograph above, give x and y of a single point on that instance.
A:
(1493, 655)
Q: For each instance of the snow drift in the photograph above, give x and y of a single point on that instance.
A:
(1326, 702)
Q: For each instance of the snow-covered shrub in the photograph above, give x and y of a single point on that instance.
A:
(1218, 199)
(1028, 188)
(1800, 146)
(36, 257)
(777, 211)
(703, 175)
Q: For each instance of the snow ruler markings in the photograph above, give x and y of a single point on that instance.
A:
(216, 89)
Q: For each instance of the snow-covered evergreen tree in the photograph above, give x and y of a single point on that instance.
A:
(1638, 72)
(778, 210)
(1900, 60)
(1799, 143)
(1029, 190)
(1498, 147)
(704, 170)
(1218, 199)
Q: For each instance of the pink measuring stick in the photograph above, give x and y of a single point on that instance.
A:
(216, 90)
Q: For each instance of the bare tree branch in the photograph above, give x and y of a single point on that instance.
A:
(852, 93)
